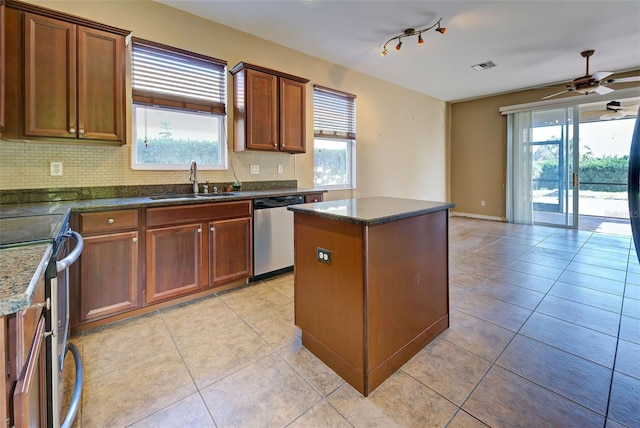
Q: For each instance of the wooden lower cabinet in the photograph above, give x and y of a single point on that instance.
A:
(23, 354)
(136, 259)
(30, 395)
(230, 250)
(109, 275)
(181, 260)
(175, 264)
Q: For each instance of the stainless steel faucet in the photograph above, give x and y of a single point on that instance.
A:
(193, 176)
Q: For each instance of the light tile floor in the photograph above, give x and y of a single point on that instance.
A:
(545, 332)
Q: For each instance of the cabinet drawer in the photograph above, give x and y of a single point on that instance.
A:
(313, 197)
(108, 221)
(197, 213)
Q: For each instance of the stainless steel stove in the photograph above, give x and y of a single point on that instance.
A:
(52, 228)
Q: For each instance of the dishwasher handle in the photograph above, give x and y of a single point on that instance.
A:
(277, 201)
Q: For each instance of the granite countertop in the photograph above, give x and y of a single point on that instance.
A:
(86, 205)
(21, 269)
(371, 211)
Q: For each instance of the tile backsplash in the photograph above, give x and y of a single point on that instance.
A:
(25, 165)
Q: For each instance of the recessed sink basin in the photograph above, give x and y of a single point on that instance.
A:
(190, 195)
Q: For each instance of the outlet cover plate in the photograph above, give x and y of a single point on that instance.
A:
(255, 169)
(323, 255)
(55, 168)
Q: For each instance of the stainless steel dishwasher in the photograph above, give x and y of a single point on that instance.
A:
(273, 235)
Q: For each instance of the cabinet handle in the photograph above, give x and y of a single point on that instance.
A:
(134, 240)
(81, 132)
(72, 130)
(213, 229)
(199, 230)
(111, 221)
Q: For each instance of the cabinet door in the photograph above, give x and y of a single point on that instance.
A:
(50, 77)
(108, 275)
(230, 250)
(3, 33)
(30, 396)
(175, 264)
(292, 116)
(101, 72)
(261, 111)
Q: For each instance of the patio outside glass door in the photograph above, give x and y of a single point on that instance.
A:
(554, 167)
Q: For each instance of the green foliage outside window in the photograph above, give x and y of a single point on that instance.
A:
(165, 150)
(330, 167)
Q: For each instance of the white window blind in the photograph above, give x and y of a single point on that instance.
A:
(169, 77)
(334, 114)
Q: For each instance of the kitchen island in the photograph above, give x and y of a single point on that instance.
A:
(371, 283)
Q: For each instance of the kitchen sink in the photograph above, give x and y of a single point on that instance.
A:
(190, 195)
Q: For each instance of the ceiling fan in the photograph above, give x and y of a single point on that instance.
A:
(613, 110)
(597, 82)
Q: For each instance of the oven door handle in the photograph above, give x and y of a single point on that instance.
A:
(74, 254)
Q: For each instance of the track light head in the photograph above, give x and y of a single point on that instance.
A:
(399, 45)
(420, 39)
(441, 30)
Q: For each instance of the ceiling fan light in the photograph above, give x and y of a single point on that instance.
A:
(420, 39)
(399, 45)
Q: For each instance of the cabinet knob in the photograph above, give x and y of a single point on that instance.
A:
(315, 199)
(134, 240)
(81, 132)
(111, 221)
(213, 229)
(199, 230)
(72, 130)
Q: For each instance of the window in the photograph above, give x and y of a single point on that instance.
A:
(334, 127)
(179, 108)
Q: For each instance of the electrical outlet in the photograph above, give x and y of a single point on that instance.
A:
(55, 168)
(280, 169)
(482, 203)
(323, 255)
(255, 169)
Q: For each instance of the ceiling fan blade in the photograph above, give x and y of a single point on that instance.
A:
(592, 113)
(602, 90)
(601, 75)
(623, 80)
(558, 93)
(612, 115)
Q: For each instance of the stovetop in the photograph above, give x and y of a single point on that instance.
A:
(31, 229)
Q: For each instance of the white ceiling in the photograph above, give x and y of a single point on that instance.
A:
(534, 43)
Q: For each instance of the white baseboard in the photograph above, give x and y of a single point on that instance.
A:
(478, 216)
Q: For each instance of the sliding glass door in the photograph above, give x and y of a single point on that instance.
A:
(554, 167)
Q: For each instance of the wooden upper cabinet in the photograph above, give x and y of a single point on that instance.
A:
(65, 77)
(3, 32)
(101, 71)
(269, 110)
(292, 115)
(50, 78)
(261, 111)
(74, 86)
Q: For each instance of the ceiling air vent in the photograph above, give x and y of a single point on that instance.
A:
(484, 65)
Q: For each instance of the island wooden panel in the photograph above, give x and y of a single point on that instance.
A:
(383, 297)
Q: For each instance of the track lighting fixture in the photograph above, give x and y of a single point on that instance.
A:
(412, 32)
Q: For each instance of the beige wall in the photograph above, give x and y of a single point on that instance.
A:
(478, 144)
(401, 144)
